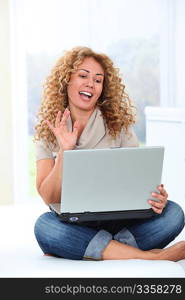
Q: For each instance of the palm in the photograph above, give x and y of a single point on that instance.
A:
(66, 139)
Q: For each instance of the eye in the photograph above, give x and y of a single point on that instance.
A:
(82, 75)
(98, 80)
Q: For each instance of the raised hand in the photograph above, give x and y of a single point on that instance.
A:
(66, 139)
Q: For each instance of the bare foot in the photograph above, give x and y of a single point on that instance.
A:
(117, 250)
(175, 252)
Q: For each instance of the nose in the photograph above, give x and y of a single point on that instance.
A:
(90, 83)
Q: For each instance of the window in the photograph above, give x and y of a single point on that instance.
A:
(127, 30)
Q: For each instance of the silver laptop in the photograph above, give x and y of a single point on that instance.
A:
(109, 184)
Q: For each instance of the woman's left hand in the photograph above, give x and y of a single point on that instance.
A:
(162, 197)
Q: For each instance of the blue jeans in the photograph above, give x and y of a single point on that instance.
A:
(87, 240)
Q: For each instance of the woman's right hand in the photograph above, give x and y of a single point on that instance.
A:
(66, 139)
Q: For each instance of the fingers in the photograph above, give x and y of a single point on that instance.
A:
(162, 190)
(162, 195)
(58, 117)
(157, 210)
(65, 116)
(156, 204)
(159, 197)
(159, 205)
(58, 121)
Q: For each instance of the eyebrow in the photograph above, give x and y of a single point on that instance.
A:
(89, 72)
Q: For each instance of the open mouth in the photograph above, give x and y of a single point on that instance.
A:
(85, 95)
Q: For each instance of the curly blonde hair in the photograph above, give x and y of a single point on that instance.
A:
(115, 105)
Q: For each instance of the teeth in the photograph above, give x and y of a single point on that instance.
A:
(86, 93)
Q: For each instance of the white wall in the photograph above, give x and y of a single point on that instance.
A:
(172, 53)
(19, 103)
(6, 136)
(165, 125)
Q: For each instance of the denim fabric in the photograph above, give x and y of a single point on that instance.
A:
(98, 243)
(160, 230)
(89, 239)
(60, 238)
(126, 237)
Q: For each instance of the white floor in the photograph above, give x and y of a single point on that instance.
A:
(20, 255)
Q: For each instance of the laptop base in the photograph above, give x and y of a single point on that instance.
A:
(103, 216)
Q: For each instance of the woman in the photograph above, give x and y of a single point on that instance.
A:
(84, 106)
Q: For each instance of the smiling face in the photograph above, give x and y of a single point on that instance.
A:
(85, 85)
